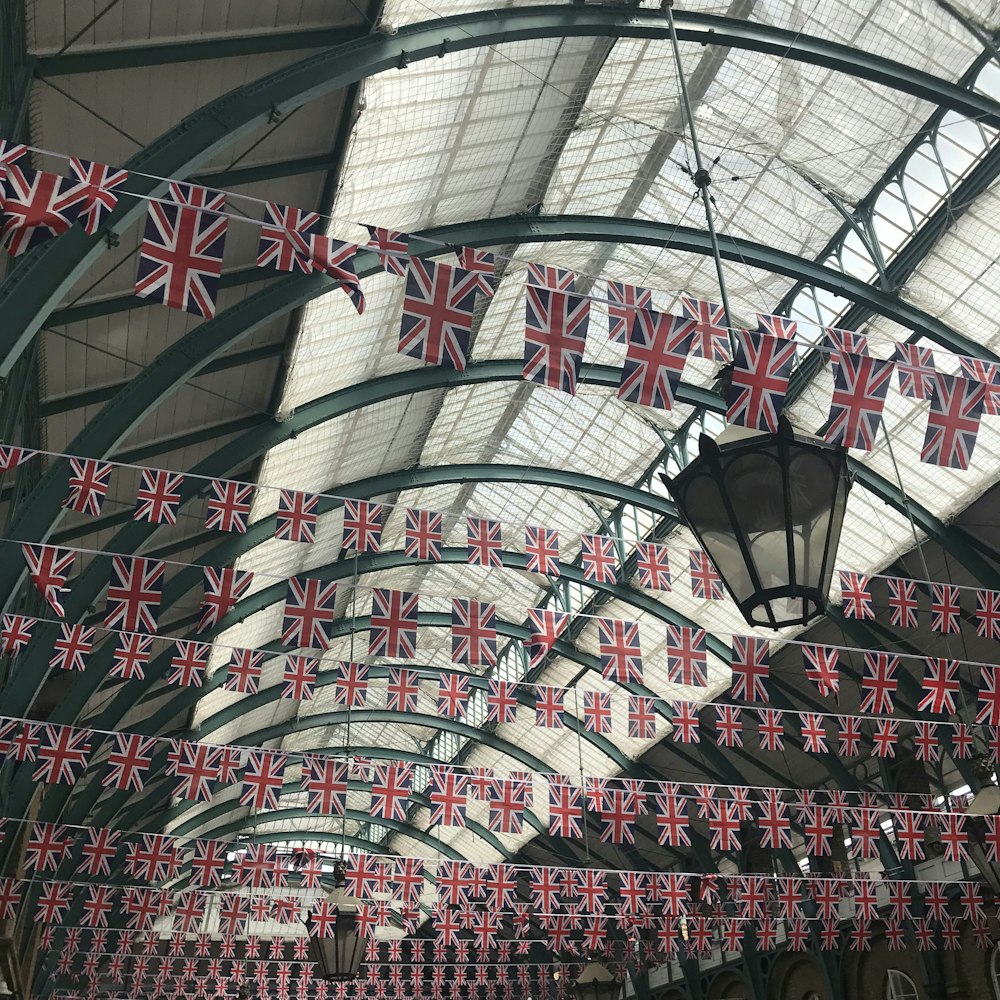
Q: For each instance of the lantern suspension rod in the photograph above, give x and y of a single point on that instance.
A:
(702, 177)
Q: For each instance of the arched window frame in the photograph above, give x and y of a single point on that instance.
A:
(899, 986)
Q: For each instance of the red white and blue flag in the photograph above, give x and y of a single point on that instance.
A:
(134, 594)
(324, 780)
(309, 613)
(362, 526)
(618, 645)
(423, 535)
(854, 588)
(657, 348)
(299, 677)
(641, 717)
(37, 206)
(49, 568)
(481, 263)
(228, 506)
(180, 258)
(391, 784)
(710, 338)
(473, 632)
(940, 686)
(95, 191)
(624, 304)
(223, 588)
(546, 276)
(653, 566)
(953, 422)
(393, 624)
(72, 648)
(544, 628)
(751, 666)
(761, 370)
(285, 238)
(131, 655)
(915, 370)
(777, 326)
(541, 549)
(860, 385)
(402, 690)
(436, 325)
(158, 497)
(392, 249)
(12, 456)
(129, 761)
(244, 671)
(501, 702)
(88, 485)
(903, 605)
(351, 686)
(336, 259)
(550, 707)
(946, 609)
(188, 663)
(448, 798)
(62, 754)
(879, 683)
(485, 545)
(988, 614)
(687, 657)
(845, 341)
(555, 334)
(297, 516)
(262, 779)
(598, 558)
(706, 584)
(988, 373)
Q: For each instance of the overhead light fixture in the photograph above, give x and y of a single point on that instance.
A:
(338, 957)
(767, 509)
(596, 982)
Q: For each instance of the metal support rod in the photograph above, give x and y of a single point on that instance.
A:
(702, 178)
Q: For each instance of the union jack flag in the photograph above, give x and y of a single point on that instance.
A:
(36, 205)
(546, 276)
(62, 754)
(953, 422)
(821, 667)
(771, 729)
(49, 568)
(860, 385)
(297, 516)
(188, 663)
(728, 726)
(95, 191)
(336, 258)
(158, 497)
(945, 608)
(479, 262)
(854, 589)
(751, 666)
(12, 456)
(541, 549)
(223, 588)
(915, 370)
(989, 696)
(845, 341)
(565, 807)
(134, 594)
(473, 632)
(422, 539)
(710, 337)
(544, 628)
(988, 614)
(879, 683)
(362, 526)
(687, 657)
(453, 696)
(989, 374)
(324, 780)
(706, 584)
(641, 717)
(131, 655)
(285, 236)
(391, 784)
(597, 712)
(244, 671)
(392, 249)
(555, 334)
(12, 154)
(299, 677)
(485, 546)
(180, 258)
(262, 779)
(654, 360)
(653, 564)
(437, 313)
(618, 644)
(129, 761)
(624, 303)
(598, 558)
(309, 613)
(550, 707)
(154, 858)
(393, 624)
(402, 690)
(903, 604)
(351, 686)
(777, 326)
(761, 371)
(195, 766)
(448, 798)
(229, 506)
(501, 702)
(47, 846)
(72, 648)
(88, 485)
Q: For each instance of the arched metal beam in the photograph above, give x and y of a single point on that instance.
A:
(35, 284)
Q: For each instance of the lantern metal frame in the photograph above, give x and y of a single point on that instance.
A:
(781, 447)
(337, 959)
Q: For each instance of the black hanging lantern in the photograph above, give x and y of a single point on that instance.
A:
(338, 957)
(768, 509)
(596, 982)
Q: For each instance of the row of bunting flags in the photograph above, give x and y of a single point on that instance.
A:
(61, 754)
(180, 262)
